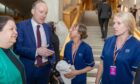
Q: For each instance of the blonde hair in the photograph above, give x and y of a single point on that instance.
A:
(128, 19)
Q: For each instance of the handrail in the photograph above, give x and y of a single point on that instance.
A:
(76, 19)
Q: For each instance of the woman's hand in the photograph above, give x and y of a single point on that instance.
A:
(72, 74)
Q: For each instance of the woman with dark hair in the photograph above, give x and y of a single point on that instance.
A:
(78, 54)
(11, 69)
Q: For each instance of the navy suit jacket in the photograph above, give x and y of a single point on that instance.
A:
(25, 45)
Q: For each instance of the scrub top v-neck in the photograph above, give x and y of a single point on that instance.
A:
(83, 58)
(127, 61)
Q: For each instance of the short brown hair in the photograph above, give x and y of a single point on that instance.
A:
(36, 2)
(82, 29)
(4, 20)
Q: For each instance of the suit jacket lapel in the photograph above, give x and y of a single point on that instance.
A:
(31, 32)
(47, 33)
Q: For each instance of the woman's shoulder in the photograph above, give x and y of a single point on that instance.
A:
(135, 41)
(83, 44)
(68, 44)
(110, 38)
(86, 45)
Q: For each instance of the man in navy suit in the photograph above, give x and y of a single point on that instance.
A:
(34, 45)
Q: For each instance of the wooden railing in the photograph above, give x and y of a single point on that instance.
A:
(136, 34)
(71, 17)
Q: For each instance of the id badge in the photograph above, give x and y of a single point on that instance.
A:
(113, 70)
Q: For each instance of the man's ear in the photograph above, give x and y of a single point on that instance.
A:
(32, 11)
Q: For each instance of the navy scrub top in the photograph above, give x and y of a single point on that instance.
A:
(83, 58)
(126, 62)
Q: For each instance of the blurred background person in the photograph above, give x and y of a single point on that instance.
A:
(130, 10)
(78, 54)
(119, 8)
(34, 45)
(119, 57)
(11, 69)
(98, 6)
(105, 13)
(134, 11)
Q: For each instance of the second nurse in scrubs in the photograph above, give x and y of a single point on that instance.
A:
(79, 54)
(121, 53)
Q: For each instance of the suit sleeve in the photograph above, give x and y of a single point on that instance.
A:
(19, 48)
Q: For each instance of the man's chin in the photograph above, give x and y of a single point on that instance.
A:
(12, 42)
(116, 34)
(41, 22)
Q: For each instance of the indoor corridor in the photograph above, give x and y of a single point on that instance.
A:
(65, 14)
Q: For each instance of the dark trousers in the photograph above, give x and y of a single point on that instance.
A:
(104, 26)
(38, 75)
(99, 20)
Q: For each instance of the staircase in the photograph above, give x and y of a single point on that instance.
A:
(94, 40)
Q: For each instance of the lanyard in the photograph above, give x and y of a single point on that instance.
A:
(116, 51)
(74, 54)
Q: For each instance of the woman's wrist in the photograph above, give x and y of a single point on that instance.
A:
(78, 72)
(96, 82)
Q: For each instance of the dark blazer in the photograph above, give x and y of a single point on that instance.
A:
(25, 46)
(137, 77)
(98, 5)
(55, 42)
(105, 11)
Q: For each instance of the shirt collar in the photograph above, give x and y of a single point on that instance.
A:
(34, 23)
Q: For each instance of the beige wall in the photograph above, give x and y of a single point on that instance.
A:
(55, 10)
(67, 3)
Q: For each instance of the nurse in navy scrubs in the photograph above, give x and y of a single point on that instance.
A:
(79, 54)
(121, 53)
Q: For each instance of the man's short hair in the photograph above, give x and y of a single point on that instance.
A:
(36, 2)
